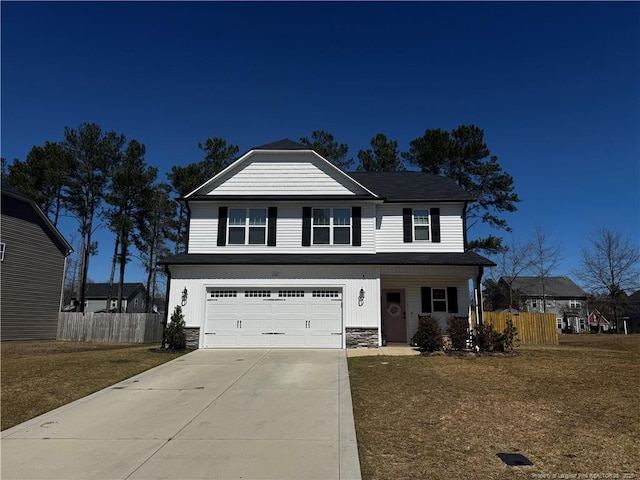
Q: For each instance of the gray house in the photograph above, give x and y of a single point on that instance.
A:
(558, 295)
(133, 297)
(33, 257)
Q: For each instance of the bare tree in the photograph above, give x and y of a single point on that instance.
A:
(610, 266)
(546, 255)
(515, 259)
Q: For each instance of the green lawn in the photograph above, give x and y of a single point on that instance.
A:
(571, 410)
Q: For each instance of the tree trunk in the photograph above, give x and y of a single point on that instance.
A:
(85, 268)
(113, 271)
(123, 264)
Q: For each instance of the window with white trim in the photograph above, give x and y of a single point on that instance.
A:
(574, 304)
(331, 226)
(2, 249)
(421, 224)
(439, 297)
(247, 226)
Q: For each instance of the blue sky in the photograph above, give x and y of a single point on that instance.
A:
(555, 86)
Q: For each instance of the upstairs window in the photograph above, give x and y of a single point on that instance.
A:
(247, 226)
(421, 225)
(331, 226)
(2, 248)
(574, 304)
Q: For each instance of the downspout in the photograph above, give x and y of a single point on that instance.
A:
(166, 305)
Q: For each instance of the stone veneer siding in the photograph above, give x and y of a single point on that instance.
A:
(362, 337)
(193, 337)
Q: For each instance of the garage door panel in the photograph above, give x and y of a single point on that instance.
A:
(254, 339)
(222, 339)
(264, 318)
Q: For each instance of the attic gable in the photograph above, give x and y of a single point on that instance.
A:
(281, 168)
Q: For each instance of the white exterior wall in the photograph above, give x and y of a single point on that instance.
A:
(411, 279)
(203, 230)
(273, 177)
(196, 279)
(389, 237)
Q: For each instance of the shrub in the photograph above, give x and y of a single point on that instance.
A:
(486, 338)
(428, 338)
(458, 331)
(175, 335)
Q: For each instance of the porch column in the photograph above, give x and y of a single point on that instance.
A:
(477, 292)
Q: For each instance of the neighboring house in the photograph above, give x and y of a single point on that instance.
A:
(33, 256)
(598, 322)
(559, 295)
(133, 297)
(286, 250)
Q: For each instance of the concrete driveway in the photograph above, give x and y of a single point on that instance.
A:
(223, 414)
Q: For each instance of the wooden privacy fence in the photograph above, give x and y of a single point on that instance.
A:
(110, 327)
(533, 328)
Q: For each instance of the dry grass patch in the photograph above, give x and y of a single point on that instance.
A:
(37, 377)
(570, 409)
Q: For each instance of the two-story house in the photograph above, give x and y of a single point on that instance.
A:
(133, 297)
(557, 295)
(286, 250)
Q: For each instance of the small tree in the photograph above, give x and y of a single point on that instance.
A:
(175, 336)
(428, 338)
(509, 337)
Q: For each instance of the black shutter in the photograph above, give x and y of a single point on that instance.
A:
(435, 225)
(452, 299)
(222, 226)
(273, 220)
(426, 299)
(306, 226)
(356, 221)
(407, 225)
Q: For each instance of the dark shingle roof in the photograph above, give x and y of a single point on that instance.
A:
(412, 186)
(101, 290)
(554, 286)
(461, 259)
(284, 144)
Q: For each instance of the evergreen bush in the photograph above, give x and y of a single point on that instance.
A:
(458, 331)
(175, 335)
(428, 338)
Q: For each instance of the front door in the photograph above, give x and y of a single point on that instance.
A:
(394, 321)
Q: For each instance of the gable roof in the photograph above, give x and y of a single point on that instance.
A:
(101, 290)
(596, 318)
(54, 234)
(407, 186)
(412, 186)
(554, 286)
(284, 156)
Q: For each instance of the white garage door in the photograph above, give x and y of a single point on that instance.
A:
(273, 317)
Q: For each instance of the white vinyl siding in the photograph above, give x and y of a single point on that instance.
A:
(412, 284)
(389, 226)
(350, 279)
(284, 174)
(203, 231)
